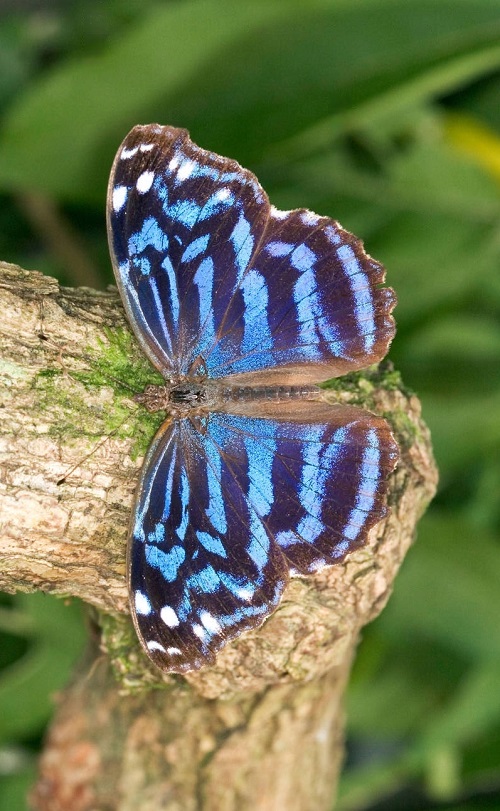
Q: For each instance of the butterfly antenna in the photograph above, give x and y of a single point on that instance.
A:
(122, 383)
(91, 453)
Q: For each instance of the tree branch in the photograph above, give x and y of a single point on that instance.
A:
(263, 726)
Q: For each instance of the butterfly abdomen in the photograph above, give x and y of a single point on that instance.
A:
(189, 395)
(272, 394)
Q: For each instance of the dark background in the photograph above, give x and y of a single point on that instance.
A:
(386, 115)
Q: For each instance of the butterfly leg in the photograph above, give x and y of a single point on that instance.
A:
(198, 368)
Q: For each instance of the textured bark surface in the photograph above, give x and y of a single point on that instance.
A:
(263, 728)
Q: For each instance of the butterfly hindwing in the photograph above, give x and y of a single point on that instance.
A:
(202, 565)
(330, 479)
(227, 505)
(315, 473)
(210, 272)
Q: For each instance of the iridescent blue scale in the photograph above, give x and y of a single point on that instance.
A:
(242, 308)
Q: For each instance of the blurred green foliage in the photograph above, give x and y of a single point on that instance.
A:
(384, 114)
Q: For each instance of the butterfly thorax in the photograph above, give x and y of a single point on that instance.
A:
(186, 396)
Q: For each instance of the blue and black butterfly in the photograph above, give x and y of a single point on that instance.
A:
(242, 308)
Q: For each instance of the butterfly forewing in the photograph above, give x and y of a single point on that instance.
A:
(220, 285)
(208, 269)
(183, 226)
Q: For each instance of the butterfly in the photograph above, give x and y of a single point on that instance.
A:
(243, 309)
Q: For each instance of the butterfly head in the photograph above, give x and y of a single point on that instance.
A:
(154, 398)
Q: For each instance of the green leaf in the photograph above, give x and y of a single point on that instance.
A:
(414, 673)
(432, 174)
(56, 635)
(447, 590)
(339, 65)
(370, 705)
(62, 135)
(361, 787)
(455, 355)
(473, 710)
(464, 432)
(14, 790)
(481, 759)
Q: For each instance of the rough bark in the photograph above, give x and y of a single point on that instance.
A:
(263, 728)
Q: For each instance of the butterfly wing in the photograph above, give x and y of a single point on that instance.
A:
(212, 275)
(228, 503)
(183, 224)
(202, 567)
(329, 476)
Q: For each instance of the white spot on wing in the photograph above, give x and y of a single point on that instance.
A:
(277, 214)
(128, 153)
(200, 632)
(309, 218)
(333, 234)
(173, 164)
(174, 651)
(169, 616)
(152, 645)
(210, 623)
(245, 594)
(119, 197)
(186, 169)
(222, 194)
(317, 565)
(146, 147)
(142, 604)
(144, 182)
